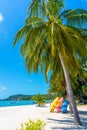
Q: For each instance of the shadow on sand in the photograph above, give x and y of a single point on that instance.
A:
(68, 122)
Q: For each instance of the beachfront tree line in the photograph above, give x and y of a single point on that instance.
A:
(79, 86)
(55, 42)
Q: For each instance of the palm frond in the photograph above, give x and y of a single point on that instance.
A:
(77, 17)
(54, 6)
(21, 34)
(33, 8)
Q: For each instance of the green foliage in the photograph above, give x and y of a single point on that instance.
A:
(75, 17)
(40, 99)
(79, 86)
(84, 88)
(32, 125)
(19, 97)
(57, 87)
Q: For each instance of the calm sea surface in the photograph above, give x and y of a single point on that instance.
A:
(16, 103)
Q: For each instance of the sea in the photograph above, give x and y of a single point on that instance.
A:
(16, 103)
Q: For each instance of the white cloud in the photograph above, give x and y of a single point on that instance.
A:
(1, 17)
(2, 88)
(29, 81)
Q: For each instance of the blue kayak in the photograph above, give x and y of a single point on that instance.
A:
(64, 106)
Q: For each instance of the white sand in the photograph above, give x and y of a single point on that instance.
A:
(12, 117)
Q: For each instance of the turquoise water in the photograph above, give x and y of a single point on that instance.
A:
(16, 103)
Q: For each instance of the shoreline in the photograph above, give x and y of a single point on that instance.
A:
(12, 117)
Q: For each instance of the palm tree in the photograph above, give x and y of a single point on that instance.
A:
(54, 41)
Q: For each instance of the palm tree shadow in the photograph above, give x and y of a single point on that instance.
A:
(83, 112)
(83, 115)
(68, 122)
(62, 122)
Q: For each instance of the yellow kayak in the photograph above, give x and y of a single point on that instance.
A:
(54, 104)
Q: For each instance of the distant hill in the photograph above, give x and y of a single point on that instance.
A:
(19, 97)
(25, 97)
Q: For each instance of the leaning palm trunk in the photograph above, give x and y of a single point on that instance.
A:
(70, 107)
(70, 93)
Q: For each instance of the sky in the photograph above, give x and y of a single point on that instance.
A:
(14, 78)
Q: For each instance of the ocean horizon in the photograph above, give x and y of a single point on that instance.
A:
(11, 103)
(16, 103)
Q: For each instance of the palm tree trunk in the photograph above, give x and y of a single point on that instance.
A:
(70, 107)
(70, 93)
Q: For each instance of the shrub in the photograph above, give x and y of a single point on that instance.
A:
(32, 125)
(40, 99)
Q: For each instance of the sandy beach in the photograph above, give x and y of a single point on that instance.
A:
(12, 117)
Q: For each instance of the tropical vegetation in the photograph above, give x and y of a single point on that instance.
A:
(79, 86)
(55, 42)
(32, 125)
(40, 99)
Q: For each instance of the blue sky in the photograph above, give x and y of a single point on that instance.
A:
(14, 78)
